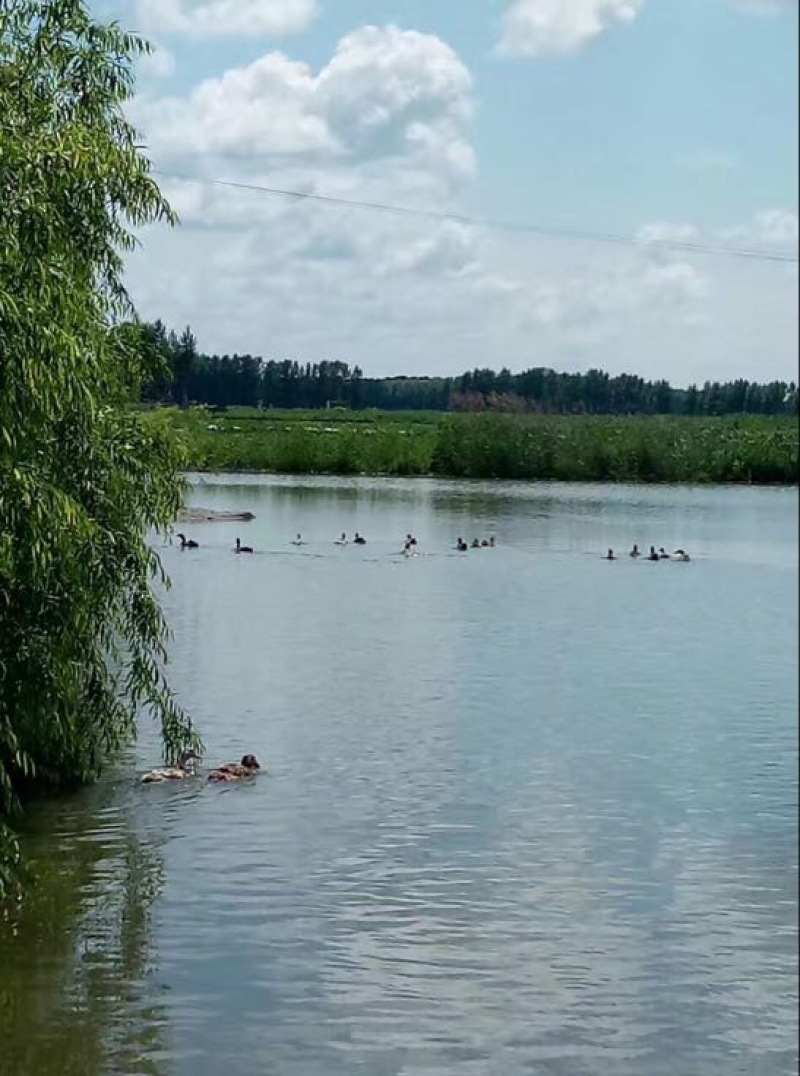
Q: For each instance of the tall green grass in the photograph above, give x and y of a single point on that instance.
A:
(746, 449)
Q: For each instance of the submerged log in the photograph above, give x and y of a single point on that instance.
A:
(212, 515)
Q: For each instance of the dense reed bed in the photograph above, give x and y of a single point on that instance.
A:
(561, 448)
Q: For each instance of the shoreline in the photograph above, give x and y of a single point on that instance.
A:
(439, 477)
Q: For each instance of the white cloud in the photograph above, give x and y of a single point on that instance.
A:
(777, 228)
(560, 27)
(622, 285)
(385, 93)
(399, 295)
(384, 85)
(448, 248)
(265, 108)
(227, 18)
(387, 120)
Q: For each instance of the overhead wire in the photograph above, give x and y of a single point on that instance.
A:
(547, 231)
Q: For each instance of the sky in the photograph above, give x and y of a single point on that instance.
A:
(663, 121)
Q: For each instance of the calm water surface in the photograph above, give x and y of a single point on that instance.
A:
(526, 811)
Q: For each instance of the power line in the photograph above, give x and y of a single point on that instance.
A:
(493, 223)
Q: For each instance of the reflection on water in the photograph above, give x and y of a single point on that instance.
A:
(526, 811)
(75, 991)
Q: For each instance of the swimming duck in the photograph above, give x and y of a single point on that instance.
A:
(682, 555)
(189, 543)
(341, 541)
(232, 771)
(610, 555)
(663, 554)
(359, 539)
(298, 540)
(184, 768)
(242, 548)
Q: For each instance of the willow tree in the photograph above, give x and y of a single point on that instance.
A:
(83, 480)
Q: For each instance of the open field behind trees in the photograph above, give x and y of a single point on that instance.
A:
(544, 447)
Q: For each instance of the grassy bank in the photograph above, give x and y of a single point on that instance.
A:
(561, 448)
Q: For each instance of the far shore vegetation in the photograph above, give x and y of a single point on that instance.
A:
(740, 449)
(244, 413)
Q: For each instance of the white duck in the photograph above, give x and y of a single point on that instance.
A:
(184, 768)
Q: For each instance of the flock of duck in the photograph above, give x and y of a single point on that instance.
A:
(409, 543)
(410, 547)
(186, 766)
(661, 554)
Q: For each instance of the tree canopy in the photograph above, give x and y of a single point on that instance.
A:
(190, 376)
(82, 479)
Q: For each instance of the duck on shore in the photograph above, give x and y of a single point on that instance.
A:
(183, 768)
(232, 771)
(188, 543)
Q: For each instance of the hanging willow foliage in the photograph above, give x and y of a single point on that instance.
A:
(82, 479)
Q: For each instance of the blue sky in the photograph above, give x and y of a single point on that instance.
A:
(668, 119)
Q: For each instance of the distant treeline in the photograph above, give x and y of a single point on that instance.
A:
(189, 376)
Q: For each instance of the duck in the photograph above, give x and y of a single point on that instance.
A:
(461, 546)
(359, 539)
(242, 548)
(634, 552)
(188, 543)
(341, 541)
(232, 771)
(682, 555)
(183, 768)
(663, 554)
(610, 555)
(298, 540)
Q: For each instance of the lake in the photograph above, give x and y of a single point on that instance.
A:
(526, 811)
